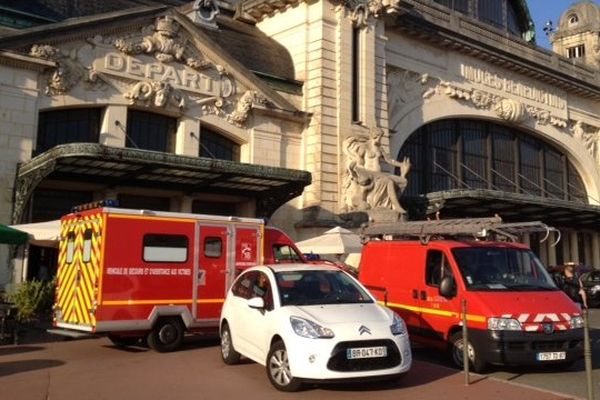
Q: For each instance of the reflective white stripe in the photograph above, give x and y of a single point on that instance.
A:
(553, 317)
(561, 327)
(539, 318)
(566, 316)
(532, 328)
(506, 315)
(523, 318)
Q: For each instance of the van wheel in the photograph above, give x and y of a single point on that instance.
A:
(476, 362)
(278, 369)
(228, 353)
(123, 341)
(167, 335)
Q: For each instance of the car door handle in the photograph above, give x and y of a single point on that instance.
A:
(415, 294)
(423, 295)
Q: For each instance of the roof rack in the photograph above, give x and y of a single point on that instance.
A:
(474, 228)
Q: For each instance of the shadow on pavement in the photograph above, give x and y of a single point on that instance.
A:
(15, 367)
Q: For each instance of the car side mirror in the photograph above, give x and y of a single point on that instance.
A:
(448, 287)
(257, 303)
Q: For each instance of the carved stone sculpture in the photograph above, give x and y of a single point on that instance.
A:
(165, 43)
(244, 105)
(366, 186)
(157, 93)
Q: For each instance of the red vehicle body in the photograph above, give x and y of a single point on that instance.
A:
(515, 314)
(147, 274)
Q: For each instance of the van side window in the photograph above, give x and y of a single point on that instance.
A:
(213, 247)
(165, 248)
(437, 267)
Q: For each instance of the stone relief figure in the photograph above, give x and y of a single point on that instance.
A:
(165, 43)
(366, 186)
(588, 139)
(158, 93)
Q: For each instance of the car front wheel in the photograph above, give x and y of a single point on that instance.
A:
(228, 353)
(278, 369)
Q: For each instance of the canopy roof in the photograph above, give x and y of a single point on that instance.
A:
(45, 234)
(9, 235)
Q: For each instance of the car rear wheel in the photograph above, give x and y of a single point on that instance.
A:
(476, 362)
(228, 353)
(278, 369)
(167, 335)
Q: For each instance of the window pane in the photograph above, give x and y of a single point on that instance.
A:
(554, 174)
(70, 247)
(442, 140)
(215, 145)
(474, 154)
(576, 188)
(165, 248)
(512, 23)
(67, 126)
(491, 11)
(503, 159)
(213, 247)
(150, 131)
(413, 149)
(530, 167)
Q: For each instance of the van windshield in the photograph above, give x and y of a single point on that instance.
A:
(502, 269)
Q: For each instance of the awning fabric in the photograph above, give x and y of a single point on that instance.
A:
(9, 235)
(45, 234)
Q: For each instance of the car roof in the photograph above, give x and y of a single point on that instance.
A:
(296, 267)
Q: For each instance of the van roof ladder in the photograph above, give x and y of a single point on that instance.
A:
(473, 228)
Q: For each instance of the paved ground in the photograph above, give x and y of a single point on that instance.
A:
(94, 369)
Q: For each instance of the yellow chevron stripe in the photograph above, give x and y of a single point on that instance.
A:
(437, 312)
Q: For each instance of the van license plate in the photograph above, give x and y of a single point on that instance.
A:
(551, 356)
(366, 352)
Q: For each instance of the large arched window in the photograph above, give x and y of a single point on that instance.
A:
(473, 154)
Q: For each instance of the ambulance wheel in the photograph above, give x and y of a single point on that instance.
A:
(123, 341)
(167, 335)
(278, 369)
(476, 363)
(230, 356)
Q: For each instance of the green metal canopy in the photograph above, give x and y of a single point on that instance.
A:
(9, 235)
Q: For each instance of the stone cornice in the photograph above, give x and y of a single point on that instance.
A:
(456, 32)
(24, 61)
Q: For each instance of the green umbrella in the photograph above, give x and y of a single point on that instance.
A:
(9, 235)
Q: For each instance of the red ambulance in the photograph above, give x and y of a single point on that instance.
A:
(147, 274)
(515, 313)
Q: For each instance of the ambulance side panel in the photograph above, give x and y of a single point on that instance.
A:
(149, 263)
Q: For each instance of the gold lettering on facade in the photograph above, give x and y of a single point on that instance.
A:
(135, 67)
(492, 80)
(114, 62)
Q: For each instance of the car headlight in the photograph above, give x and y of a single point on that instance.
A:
(577, 322)
(503, 324)
(398, 327)
(309, 329)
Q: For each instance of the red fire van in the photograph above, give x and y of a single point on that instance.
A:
(515, 313)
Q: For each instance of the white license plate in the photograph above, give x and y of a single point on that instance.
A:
(366, 352)
(551, 356)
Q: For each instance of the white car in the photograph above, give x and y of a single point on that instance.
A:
(311, 323)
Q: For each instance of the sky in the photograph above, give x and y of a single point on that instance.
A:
(544, 10)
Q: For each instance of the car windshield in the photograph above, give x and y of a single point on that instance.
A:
(315, 287)
(502, 269)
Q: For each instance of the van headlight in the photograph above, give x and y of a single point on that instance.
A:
(398, 327)
(503, 324)
(309, 329)
(577, 322)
